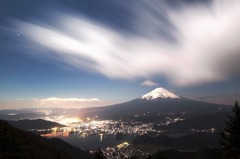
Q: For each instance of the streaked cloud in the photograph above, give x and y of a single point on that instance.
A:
(205, 45)
(149, 83)
(54, 99)
(70, 102)
(54, 102)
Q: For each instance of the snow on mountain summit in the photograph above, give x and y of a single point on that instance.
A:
(159, 93)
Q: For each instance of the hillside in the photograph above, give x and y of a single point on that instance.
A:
(203, 122)
(174, 154)
(27, 124)
(155, 107)
(15, 143)
(188, 142)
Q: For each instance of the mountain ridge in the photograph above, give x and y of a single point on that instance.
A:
(16, 143)
(155, 103)
(26, 124)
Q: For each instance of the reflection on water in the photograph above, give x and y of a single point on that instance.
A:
(93, 134)
(93, 142)
(101, 137)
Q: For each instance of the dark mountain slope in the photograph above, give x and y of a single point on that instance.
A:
(15, 143)
(217, 121)
(135, 107)
(202, 154)
(188, 142)
(157, 102)
(27, 124)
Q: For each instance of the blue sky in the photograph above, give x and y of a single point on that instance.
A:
(91, 53)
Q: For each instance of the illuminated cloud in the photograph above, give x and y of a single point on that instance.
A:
(54, 102)
(198, 44)
(148, 83)
(70, 102)
(54, 99)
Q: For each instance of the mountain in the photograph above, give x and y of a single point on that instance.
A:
(16, 143)
(202, 154)
(202, 122)
(189, 142)
(155, 106)
(27, 124)
(159, 93)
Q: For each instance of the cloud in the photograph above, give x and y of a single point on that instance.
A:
(189, 45)
(70, 102)
(54, 99)
(54, 102)
(148, 83)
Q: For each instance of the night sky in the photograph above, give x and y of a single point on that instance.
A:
(78, 53)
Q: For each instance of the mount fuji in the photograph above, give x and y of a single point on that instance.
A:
(159, 93)
(157, 103)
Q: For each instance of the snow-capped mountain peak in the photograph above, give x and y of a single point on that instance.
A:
(159, 93)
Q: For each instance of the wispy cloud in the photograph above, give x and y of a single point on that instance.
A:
(70, 102)
(205, 45)
(54, 99)
(149, 83)
(54, 102)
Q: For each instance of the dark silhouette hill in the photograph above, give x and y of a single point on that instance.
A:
(27, 124)
(18, 144)
(203, 122)
(196, 141)
(174, 154)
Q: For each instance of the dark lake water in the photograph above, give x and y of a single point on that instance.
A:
(94, 142)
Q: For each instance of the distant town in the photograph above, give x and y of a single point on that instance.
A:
(118, 129)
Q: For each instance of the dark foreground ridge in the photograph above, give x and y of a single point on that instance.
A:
(18, 144)
(27, 124)
(196, 141)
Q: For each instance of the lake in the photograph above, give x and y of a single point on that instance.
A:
(93, 142)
